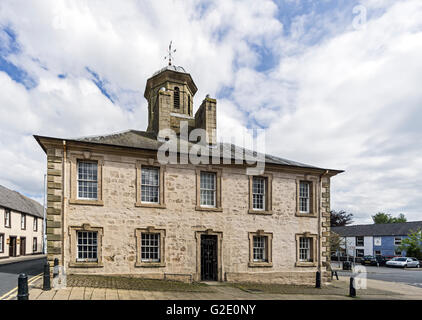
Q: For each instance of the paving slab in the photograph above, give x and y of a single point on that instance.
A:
(98, 294)
(45, 295)
(77, 293)
(62, 294)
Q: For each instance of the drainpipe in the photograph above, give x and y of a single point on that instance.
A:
(63, 195)
(319, 219)
(44, 234)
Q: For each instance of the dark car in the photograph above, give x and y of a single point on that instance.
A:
(373, 260)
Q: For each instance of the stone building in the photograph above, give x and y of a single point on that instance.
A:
(21, 225)
(113, 208)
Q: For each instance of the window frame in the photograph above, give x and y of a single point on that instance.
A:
(268, 194)
(8, 213)
(359, 256)
(85, 156)
(395, 241)
(268, 249)
(2, 237)
(35, 224)
(73, 235)
(213, 190)
(357, 239)
(78, 180)
(150, 163)
(34, 244)
(162, 238)
(313, 210)
(23, 220)
(88, 245)
(218, 174)
(313, 250)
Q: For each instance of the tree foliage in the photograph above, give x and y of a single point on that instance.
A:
(340, 218)
(336, 242)
(413, 244)
(382, 217)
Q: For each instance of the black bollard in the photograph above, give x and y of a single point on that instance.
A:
(352, 290)
(23, 287)
(56, 268)
(318, 280)
(46, 282)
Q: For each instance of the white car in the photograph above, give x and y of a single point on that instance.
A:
(403, 262)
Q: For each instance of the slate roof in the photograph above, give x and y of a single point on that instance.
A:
(17, 202)
(147, 140)
(385, 229)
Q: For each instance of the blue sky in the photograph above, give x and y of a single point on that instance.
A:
(333, 83)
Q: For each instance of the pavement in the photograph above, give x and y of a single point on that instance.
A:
(337, 290)
(410, 276)
(11, 268)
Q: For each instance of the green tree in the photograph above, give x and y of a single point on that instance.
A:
(382, 217)
(336, 242)
(340, 218)
(413, 244)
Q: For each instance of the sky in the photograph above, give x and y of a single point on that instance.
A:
(334, 83)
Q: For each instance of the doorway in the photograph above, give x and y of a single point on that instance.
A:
(209, 258)
(12, 246)
(23, 246)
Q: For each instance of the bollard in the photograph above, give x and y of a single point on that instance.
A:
(46, 279)
(352, 290)
(56, 268)
(318, 280)
(23, 287)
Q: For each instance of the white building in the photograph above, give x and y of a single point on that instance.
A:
(21, 225)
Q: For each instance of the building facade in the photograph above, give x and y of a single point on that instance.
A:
(21, 225)
(114, 208)
(375, 239)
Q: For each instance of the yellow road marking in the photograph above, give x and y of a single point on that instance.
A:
(30, 281)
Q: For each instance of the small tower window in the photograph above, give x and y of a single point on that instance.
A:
(176, 98)
(188, 105)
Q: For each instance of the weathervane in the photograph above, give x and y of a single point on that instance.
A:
(169, 53)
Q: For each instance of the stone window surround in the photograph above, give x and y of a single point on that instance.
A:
(73, 246)
(218, 173)
(210, 232)
(2, 242)
(314, 262)
(269, 263)
(162, 168)
(268, 195)
(23, 216)
(313, 196)
(138, 237)
(10, 218)
(85, 156)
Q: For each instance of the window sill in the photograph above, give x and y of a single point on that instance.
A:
(199, 208)
(150, 264)
(85, 265)
(87, 202)
(305, 264)
(307, 215)
(260, 212)
(150, 205)
(260, 264)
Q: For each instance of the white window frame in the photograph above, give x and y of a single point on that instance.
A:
(262, 248)
(157, 247)
(23, 221)
(91, 245)
(262, 180)
(397, 241)
(35, 224)
(305, 254)
(149, 169)
(34, 244)
(78, 180)
(359, 256)
(363, 241)
(7, 215)
(1, 242)
(214, 190)
(307, 199)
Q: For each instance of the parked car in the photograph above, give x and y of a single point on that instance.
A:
(403, 262)
(373, 261)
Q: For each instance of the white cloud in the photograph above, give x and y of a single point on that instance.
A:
(350, 100)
